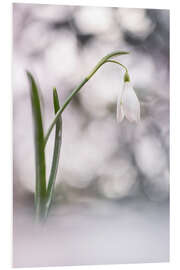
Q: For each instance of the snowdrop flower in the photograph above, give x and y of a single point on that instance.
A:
(128, 104)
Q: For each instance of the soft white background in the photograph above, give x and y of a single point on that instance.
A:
(6, 130)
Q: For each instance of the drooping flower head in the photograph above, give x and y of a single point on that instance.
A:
(128, 104)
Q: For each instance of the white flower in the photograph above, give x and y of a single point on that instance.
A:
(128, 104)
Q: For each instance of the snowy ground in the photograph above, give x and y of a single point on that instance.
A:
(93, 231)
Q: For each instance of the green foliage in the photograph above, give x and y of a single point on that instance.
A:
(40, 164)
(56, 153)
(43, 196)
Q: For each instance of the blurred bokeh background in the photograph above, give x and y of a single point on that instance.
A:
(105, 167)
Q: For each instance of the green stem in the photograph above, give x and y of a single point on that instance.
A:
(116, 62)
(76, 90)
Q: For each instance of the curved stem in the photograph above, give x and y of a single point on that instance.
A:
(76, 90)
(116, 62)
(104, 60)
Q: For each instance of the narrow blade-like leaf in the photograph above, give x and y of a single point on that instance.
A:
(40, 191)
(56, 153)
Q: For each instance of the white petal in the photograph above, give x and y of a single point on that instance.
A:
(120, 113)
(131, 103)
(120, 110)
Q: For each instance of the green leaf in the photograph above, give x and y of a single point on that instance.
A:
(56, 153)
(40, 191)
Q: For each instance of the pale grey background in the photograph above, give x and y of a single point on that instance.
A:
(112, 193)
